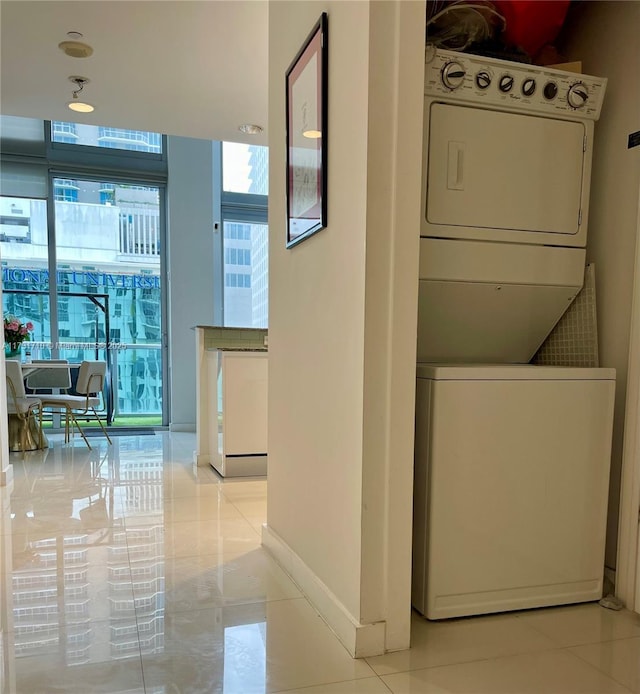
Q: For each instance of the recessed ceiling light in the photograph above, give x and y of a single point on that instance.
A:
(80, 107)
(250, 129)
(76, 49)
(312, 134)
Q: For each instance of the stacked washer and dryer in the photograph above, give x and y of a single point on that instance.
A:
(512, 460)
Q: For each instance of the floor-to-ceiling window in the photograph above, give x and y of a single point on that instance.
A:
(86, 268)
(108, 250)
(245, 237)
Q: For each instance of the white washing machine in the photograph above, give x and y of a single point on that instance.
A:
(511, 487)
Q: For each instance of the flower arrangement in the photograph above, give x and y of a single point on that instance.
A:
(15, 332)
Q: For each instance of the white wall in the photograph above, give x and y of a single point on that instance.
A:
(604, 35)
(342, 322)
(190, 258)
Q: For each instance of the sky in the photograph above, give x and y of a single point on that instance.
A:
(235, 167)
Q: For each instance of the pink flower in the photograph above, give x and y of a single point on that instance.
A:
(14, 331)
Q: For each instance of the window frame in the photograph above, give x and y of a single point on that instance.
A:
(120, 162)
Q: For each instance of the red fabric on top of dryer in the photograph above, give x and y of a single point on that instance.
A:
(532, 24)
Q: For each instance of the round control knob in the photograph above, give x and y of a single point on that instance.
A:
(505, 84)
(483, 79)
(529, 87)
(453, 75)
(550, 90)
(577, 95)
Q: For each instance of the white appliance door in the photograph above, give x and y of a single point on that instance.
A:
(474, 322)
(518, 504)
(495, 170)
(245, 404)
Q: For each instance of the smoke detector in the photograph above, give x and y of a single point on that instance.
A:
(76, 49)
(250, 129)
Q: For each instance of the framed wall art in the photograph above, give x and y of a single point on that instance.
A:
(306, 109)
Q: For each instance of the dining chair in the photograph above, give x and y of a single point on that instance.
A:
(89, 386)
(23, 406)
(49, 381)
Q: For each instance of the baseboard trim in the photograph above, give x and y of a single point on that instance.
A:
(6, 476)
(240, 465)
(361, 640)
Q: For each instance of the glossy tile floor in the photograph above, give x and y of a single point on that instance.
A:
(127, 570)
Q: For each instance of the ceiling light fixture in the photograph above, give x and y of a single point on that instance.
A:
(75, 49)
(312, 134)
(250, 129)
(75, 104)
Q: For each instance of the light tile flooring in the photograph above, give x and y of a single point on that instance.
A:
(125, 569)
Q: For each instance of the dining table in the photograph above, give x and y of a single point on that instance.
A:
(29, 368)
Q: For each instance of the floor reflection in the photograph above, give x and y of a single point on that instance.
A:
(83, 538)
(70, 580)
(125, 570)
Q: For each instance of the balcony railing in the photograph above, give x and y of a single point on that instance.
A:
(135, 371)
(140, 235)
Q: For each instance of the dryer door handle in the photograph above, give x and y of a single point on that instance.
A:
(455, 166)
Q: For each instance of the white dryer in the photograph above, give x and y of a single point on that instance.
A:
(506, 177)
(511, 487)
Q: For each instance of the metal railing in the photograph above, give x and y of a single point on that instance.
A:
(133, 385)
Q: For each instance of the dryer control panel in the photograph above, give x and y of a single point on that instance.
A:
(513, 86)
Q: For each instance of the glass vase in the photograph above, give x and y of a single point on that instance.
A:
(12, 350)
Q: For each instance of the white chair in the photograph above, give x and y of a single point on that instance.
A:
(23, 406)
(89, 385)
(50, 381)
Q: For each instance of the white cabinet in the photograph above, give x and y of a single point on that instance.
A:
(511, 487)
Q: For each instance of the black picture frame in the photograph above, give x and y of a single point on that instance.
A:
(306, 128)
